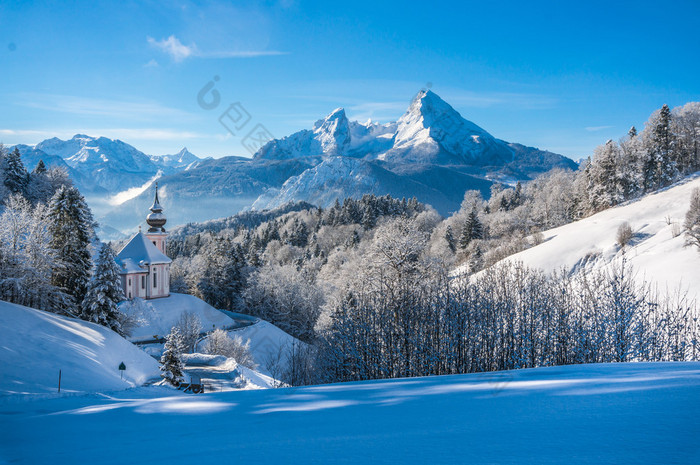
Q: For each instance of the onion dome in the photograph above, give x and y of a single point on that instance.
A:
(156, 219)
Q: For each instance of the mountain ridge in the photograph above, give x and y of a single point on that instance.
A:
(431, 152)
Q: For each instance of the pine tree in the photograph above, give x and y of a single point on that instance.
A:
(449, 237)
(472, 230)
(662, 148)
(369, 217)
(476, 259)
(71, 232)
(171, 363)
(16, 176)
(40, 167)
(104, 293)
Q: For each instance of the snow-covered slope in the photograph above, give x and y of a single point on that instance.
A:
(269, 346)
(159, 315)
(655, 254)
(622, 413)
(341, 177)
(35, 345)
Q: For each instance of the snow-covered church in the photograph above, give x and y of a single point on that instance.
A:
(144, 267)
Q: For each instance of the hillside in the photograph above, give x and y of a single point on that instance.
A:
(626, 413)
(37, 344)
(654, 253)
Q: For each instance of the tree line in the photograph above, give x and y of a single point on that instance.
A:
(47, 243)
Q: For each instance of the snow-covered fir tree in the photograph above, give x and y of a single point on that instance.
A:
(71, 228)
(104, 292)
(472, 229)
(171, 365)
(15, 174)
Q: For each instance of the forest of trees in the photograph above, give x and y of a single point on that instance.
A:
(47, 241)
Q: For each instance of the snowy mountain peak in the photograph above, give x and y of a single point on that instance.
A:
(431, 131)
(333, 132)
(182, 159)
(429, 111)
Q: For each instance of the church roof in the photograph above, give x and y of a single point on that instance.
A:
(139, 251)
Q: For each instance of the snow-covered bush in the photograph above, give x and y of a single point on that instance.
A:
(190, 327)
(218, 342)
(624, 234)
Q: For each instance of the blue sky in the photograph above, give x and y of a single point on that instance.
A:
(563, 76)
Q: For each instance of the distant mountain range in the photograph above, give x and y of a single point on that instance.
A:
(431, 152)
(101, 166)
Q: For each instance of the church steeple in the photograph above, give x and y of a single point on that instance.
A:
(156, 219)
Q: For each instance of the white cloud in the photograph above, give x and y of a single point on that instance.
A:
(173, 47)
(179, 52)
(597, 128)
(151, 64)
(242, 54)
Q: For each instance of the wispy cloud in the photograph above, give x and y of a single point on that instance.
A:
(85, 106)
(146, 133)
(597, 128)
(173, 47)
(178, 51)
(242, 54)
(16, 136)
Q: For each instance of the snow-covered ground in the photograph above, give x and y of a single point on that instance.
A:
(654, 253)
(269, 346)
(160, 315)
(35, 345)
(614, 413)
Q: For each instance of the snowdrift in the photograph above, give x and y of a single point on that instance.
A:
(36, 345)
